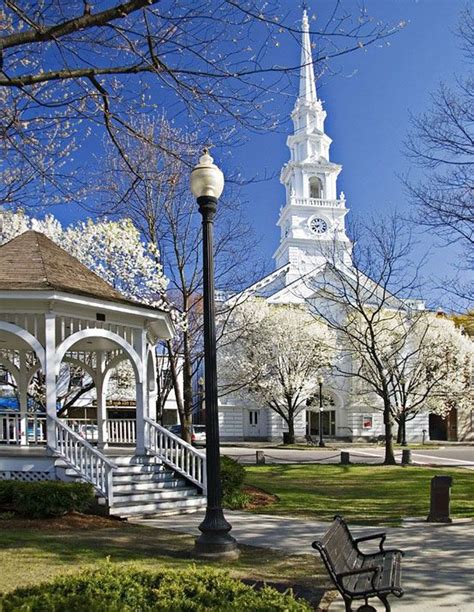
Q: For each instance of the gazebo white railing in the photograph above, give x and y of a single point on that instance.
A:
(121, 431)
(13, 423)
(175, 452)
(90, 463)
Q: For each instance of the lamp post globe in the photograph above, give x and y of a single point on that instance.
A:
(320, 383)
(207, 179)
(215, 541)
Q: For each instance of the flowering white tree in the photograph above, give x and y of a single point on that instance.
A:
(425, 363)
(434, 375)
(274, 353)
(113, 250)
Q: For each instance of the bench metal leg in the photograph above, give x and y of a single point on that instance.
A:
(384, 600)
(348, 603)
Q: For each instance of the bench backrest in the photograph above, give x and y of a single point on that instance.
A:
(338, 549)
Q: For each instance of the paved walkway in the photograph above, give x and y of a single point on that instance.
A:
(438, 569)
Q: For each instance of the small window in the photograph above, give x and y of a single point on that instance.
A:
(253, 417)
(315, 188)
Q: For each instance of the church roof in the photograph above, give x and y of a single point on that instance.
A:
(33, 262)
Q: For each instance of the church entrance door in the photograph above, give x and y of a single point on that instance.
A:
(444, 428)
(328, 422)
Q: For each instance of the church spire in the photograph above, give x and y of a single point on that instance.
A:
(307, 81)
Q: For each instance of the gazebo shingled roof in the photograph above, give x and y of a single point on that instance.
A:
(33, 262)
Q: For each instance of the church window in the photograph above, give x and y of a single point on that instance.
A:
(315, 187)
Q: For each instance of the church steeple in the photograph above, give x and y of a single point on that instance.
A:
(312, 220)
(307, 80)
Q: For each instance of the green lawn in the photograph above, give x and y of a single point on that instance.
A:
(28, 556)
(362, 494)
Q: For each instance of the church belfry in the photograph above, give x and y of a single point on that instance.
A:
(312, 220)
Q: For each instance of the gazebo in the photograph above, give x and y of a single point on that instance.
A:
(53, 310)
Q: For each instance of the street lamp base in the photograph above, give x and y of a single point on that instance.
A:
(215, 542)
(322, 445)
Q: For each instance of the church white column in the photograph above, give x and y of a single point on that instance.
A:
(50, 376)
(101, 401)
(23, 398)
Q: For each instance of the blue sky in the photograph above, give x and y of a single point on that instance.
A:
(368, 104)
(368, 99)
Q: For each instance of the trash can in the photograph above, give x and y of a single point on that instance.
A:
(286, 437)
(440, 497)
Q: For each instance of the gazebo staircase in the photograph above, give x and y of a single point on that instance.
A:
(145, 486)
(169, 478)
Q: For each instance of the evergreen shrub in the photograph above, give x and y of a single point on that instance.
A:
(110, 588)
(44, 499)
(232, 476)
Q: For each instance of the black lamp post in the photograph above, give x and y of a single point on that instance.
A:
(215, 542)
(321, 441)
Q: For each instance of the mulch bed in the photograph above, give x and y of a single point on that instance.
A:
(68, 522)
(258, 497)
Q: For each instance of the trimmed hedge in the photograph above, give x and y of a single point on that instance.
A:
(45, 499)
(115, 589)
(232, 476)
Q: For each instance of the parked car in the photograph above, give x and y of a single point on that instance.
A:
(89, 432)
(198, 432)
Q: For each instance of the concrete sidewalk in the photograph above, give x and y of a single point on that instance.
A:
(438, 569)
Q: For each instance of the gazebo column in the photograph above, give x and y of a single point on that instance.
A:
(151, 386)
(141, 392)
(101, 390)
(23, 398)
(50, 375)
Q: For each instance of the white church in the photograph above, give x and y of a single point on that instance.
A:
(312, 224)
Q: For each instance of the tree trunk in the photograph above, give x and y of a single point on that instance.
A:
(186, 422)
(291, 432)
(389, 454)
(175, 378)
(399, 430)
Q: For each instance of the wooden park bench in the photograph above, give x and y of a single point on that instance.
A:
(358, 575)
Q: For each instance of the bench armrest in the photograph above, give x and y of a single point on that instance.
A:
(374, 570)
(382, 536)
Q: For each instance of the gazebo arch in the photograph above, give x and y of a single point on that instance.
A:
(22, 333)
(70, 341)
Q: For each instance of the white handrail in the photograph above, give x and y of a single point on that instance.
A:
(90, 463)
(175, 452)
